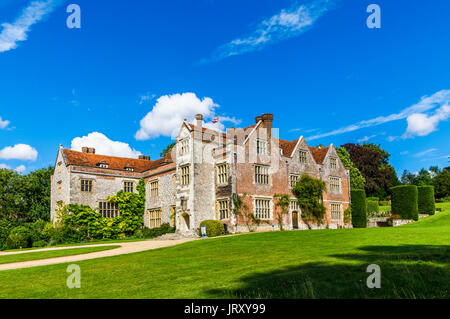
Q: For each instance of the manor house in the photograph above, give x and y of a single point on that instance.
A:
(195, 182)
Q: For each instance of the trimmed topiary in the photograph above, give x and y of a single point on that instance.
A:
(404, 201)
(373, 198)
(426, 200)
(359, 208)
(213, 228)
(372, 206)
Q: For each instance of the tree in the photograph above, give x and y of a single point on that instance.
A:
(357, 181)
(283, 202)
(441, 183)
(37, 189)
(12, 200)
(309, 191)
(167, 150)
(373, 163)
(422, 178)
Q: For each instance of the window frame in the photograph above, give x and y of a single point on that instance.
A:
(90, 185)
(108, 210)
(223, 208)
(333, 163)
(334, 211)
(335, 188)
(262, 150)
(185, 176)
(291, 179)
(262, 208)
(154, 217)
(222, 173)
(303, 159)
(153, 191)
(261, 178)
(126, 186)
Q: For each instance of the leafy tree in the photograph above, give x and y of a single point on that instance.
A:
(37, 194)
(373, 163)
(309, 191)
(357, 181)
(441, 183)
(12, 199)
(422, 178)
(167, 150)
(283, 202)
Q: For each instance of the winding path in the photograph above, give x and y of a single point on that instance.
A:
(125, 248)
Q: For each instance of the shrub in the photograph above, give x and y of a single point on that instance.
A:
(39, 243)
(5, 229)
(393, 216)
(372, 206)
(155, 232)
(213, 228)
(425, 202)
(404, 201)
(16, 241)
(347, 215)
(359, 208)
(372, 198)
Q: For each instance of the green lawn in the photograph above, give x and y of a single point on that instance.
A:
(27, 256)
(414, 261)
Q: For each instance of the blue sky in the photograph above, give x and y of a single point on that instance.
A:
(135, 69)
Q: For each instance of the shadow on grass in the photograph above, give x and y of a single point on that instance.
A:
(408, 271)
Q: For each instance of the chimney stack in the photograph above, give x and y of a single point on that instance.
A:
(144, 157)
(88, 150)
(199, 118)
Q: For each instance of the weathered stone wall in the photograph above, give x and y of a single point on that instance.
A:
(60, 185)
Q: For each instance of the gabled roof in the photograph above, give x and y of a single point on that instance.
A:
(207, 130)
(287, 146)
(119, 163)
(318, 153)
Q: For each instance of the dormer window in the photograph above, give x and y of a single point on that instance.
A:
(102, 165)
(184, 146)
(130, 169)
(303, 156)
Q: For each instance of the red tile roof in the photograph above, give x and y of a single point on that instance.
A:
(319, 153)
(119, 163)
(287, 146)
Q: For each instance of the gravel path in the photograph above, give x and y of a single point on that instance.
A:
(125, 248)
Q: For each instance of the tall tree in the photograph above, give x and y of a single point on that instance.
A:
(441, 183)
(37, 191)
(373, 163)
(167, 150)
(357, 181)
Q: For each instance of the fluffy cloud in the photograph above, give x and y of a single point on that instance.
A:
(288, 23)
(169, 112)
(17, 31)
(103, 145)
(420, 124)
(20, 169)
(20, 152)
(4, 166)
(3, 123)
(439, 99)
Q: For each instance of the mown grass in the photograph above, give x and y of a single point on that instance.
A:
(414, 261)
(28, 256)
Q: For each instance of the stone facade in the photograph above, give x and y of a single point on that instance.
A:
(195, 182)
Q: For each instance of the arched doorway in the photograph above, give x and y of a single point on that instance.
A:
(295, 220)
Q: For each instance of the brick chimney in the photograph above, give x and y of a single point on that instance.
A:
(266, 119)
(199, 120)
(144, 157)
(88, 150)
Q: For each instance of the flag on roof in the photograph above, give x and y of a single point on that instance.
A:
(215, 120)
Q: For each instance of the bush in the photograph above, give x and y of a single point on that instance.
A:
(347, 215)
(390, 219)
(372, 206)
(39, 243)
(404, 201)
(155, 232)
(213, 228)
(372, 198)
(425, 202)
(19, 237)
(359, 208)
(5, 229)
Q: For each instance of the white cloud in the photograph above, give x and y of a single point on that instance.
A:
(17, 31)
(438, 99)
(20, 169)
(169, 112)
(3, 123)
(365, 138)
(288, 23)
(420, 124)
(19, 151)
(104, 146)
(423, 153)
(4, 166)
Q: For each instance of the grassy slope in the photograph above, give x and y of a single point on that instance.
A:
(27, 256)
(414, 262)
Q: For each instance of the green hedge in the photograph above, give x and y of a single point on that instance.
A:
(213, 228)
(359, 208)
(373, 198)
(372, 206)
(426, 200)
(404, 201)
